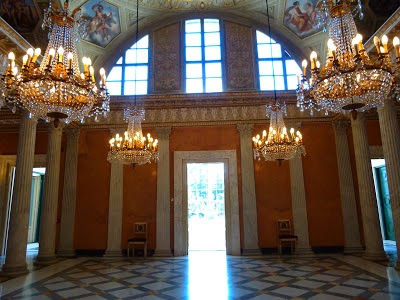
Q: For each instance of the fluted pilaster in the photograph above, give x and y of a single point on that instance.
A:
(369, 209)
(48, 214)
(15, 262)
(163, 247)
(66, 244)
(250, 230)
(390, 134)
(299, 205)
(115, 205)
(347, 196)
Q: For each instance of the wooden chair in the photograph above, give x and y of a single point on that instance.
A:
(139, 238)
(285, 235)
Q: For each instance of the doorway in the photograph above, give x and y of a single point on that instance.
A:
(206, 206)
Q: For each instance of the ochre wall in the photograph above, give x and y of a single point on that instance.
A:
(272, 183)
(321, 183)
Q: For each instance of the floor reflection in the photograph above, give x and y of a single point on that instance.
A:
(208, 276)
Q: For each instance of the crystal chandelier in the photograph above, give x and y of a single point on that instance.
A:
(133, 148)
(56, 89)
(278, 144)
(349, 81)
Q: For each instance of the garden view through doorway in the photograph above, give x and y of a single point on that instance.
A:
(206, 206)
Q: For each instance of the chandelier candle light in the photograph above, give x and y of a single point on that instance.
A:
(56, 89)
(278, 145)
(349, 81)
(133, 148)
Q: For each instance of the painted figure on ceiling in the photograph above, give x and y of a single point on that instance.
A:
(301, 17)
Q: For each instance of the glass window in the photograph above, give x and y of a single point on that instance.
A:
(130, 74)
(203, 56)
(276, 68)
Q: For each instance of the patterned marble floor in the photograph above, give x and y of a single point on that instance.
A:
(209, 275)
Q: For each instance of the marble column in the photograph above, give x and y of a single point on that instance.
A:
(48, 213)
(250, 230)
(390, 134)
(299, 205)
(347, 195)
(15, 261)
(369, 209)
(115, 205)
(163, 246)
(66, 243)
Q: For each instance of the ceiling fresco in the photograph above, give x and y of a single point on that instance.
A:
(102, 22)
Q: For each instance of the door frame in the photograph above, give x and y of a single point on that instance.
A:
(181, 159)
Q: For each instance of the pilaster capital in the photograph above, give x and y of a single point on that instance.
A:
(245, 129)
(340, 125)
(72, 133)
(163, 133)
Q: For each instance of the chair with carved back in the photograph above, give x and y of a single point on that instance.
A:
(285, 235)
(139, 238)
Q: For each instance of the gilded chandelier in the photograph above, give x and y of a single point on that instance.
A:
(278, 144)
(349, 81)
(133, 148)
(56, 89)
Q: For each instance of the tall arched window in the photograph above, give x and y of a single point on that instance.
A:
(284, 68)
(203, 56)
(130, 73)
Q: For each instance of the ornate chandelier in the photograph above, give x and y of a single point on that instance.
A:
(133, 148)
(56, 89)
(278, 144)
(349, 81)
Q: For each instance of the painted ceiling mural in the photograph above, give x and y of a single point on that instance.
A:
(102, 22)
(300, 17)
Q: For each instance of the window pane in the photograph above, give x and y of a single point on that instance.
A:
(265, 67)
(141, 73)
(213, 53)
(193, 53)
(213, 70)
(130, 56)
(142, 56)
(212, 38)
(114, 88)
(279, 83)
(129, 88)
(194, 71)
(143, 42)
(292, 82)
(263, 38)
(211, 25)
(130, 73)
(192, 26)
(115, 74)
(292, 67)
(141, 87)
(263, 51)
(193, 39)
(213, 85)
(119, 61)
(266, 83)
(194, 85)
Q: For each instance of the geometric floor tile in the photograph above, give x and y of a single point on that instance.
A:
(212, 276)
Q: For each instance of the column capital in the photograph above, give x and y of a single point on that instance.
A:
(341, 125)
(245, 129)
(72, 133)
(163, 132)
(57, 129)
(389, 102)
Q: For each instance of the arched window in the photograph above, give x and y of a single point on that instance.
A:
(284, 69)
(203, 56)
(129, 75)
